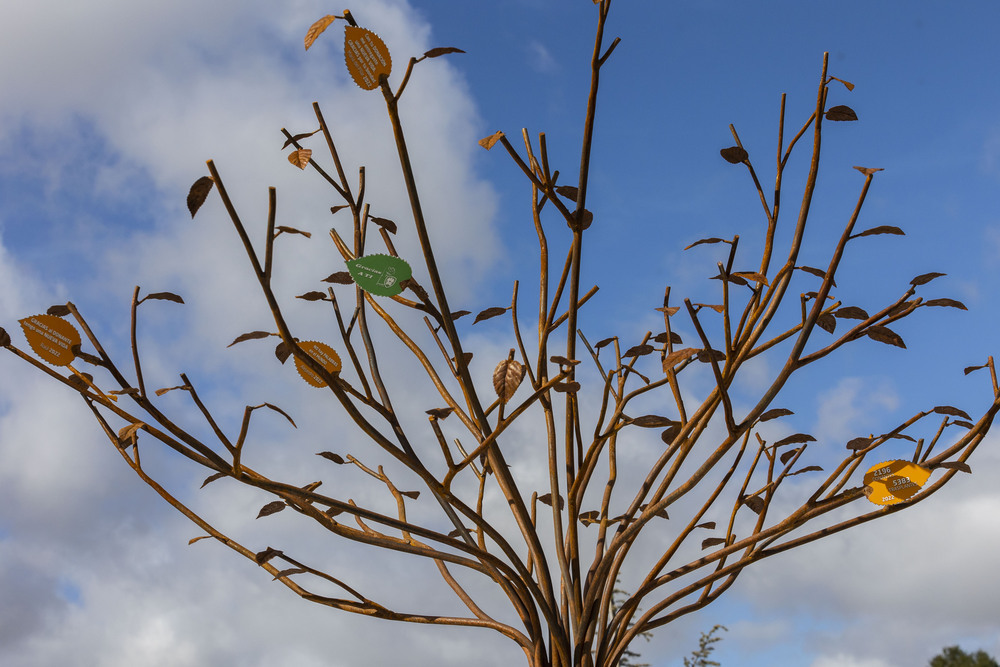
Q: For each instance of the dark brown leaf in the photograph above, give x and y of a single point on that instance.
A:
(547, 500)
(729, 278)
(602, 343)
(164, 296)
(488, 313)
(312, 296)
(563, 361)
(806, 469)
(290, 571)
(734, 154)
(281, 412)
(298, 137)
(858, 443)
(271, 508)
(960, 422)
(465, 360)
(292, 230)
(950, 303)
(410, 494)
(441, 50)
(317, 28)
(490, 141)
(567, 387)
(652, 421)
(455, 533)
(568, 191)
(385, 223)
(868, 171)
(253, 335)
(712, 541)
(816, 272)
(4, 337)
(267, 554)
(638, 351)
(339, 278)
(330, 456)
(969, 369)
(282, 351)
(885, 335)
(841, 112)
(881, 229)
(583, 220)
(716, 307)
(956, 465)
(662, 338)
(440, 413)
(300, 158)
(752, 275)
(59, 310)
(774, 413)
(795, 439)
(507, 377)
(953, 412)
(705, 356)
(161, 392)
(925, 278)
(711, 240)
(198, 193)
(196, 539)
(851, 313)
(210, 479)
(708, 524)
(668, 435)
(78, 383)
(460, 313)
(334, 209)
(785, 456)
(826, 322)
(669, 311)
(755, 503)
(588, 518)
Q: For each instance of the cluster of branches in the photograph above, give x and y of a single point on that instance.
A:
(563, 599)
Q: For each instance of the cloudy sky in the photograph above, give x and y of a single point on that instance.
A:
(108, 112)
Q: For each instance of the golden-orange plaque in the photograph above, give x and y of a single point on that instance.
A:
(326, 357)
(51, 337)
(892, 482)
(367, 56)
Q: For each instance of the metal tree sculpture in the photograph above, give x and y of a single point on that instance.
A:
(562, 598)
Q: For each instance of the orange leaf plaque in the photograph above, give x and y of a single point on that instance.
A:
(51, 337)
(367, 57)
(326, 357)
(892, 482)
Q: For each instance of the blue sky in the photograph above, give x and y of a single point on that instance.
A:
(108, 113)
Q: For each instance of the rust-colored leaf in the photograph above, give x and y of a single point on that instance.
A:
(198, 193)
(339, 278)
(568, 191)
(925, 278)
(881, 229)
(712, 541)
(317, 28)
(731, 278)
(706, 356)
(563, 361)
(163, 296)
(465, 360)
(734, 154)
(490, 141)
(963, 423)
(795, 439)
(678, 356)
(129, 432)
(281, 412)
(806, 469)
(312, 296)
(708, 524)
(969, 369)
(488, 313)
(752, 275)
(440, 413)
(851, 313)
(652, 421)
(669, 311)
(826, 322)
(271, 508)
(816, 272)
(638, 351)
(567, 387)
(868, 171)
(507, 377)
(669, 434)
(841, 113)
(298, 137)
(334, 209)
(714, 306)
(709, 240)
(210, 479)
(196, 539)
(300, 157)
(267, 554)
(603, 342)
(956, 465)
(253, 335)
(4, 338)
(410, 494)
(784, 458)
(330, 456)
(163, 390)
(292, 230)
(588, 518)
(547, 500)
(59, 310)
(282, 351)
(847, 84)
(441, 50)
(288, 572)
(385, 223)
(858, 443)
(774, 413)
(951, 411)
(885, 335)
(755, 503)
(460, 313)
(950, 303)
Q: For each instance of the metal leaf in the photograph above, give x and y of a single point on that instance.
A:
(507, 377)
(271, 508)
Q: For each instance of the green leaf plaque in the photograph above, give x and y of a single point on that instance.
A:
(380, 275)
